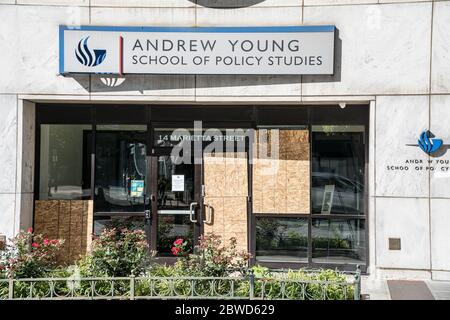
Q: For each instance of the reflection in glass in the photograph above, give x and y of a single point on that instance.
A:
(338, 170)
(175, 194)
(170, 137)
(116, 221)
(120, 168)
(338, 241)
(282, 239)
(65, 166)
(211, 139)
(168, 197)
(172, 227)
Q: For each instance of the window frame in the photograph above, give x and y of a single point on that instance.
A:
(253, 116)
(321, 115)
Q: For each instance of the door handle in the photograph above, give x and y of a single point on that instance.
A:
(147, 217)
(149, 199)
(192, 212)
(208, 215)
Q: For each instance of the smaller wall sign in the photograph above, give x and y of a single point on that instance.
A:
(178, 182)
(433, 159)
(137, 188)
(327, 201)
(427, 144)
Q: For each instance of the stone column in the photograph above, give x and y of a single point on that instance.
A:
(16, 164)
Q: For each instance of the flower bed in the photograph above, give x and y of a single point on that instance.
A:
(119, 266)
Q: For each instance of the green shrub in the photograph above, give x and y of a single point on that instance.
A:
(215, 259)
(116, 253)
(4, 287)
(333, 288)
(29, 256)
(268, 285)
(212, 258)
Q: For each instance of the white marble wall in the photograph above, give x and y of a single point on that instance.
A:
(395, 129)
(8, 138)
(388, 48)
(440, 80)
(29, 49)
(407, 219)
(376, 44)
(393, 54)
(440, 237)
(17, 164)
(440, 126)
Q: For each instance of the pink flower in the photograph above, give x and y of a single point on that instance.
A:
(30, 230)
(175, 251)
(46, 242)
(178, 242)
(35, 245)
(54, 241)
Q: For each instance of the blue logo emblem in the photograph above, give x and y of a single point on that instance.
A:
(88, 57)
(429, 145)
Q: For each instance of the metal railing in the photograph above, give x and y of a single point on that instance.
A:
(248, 287)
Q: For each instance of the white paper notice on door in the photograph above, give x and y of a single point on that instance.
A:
(327, 201)
(178, 182)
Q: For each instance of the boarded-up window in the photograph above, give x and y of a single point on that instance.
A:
(281, 171)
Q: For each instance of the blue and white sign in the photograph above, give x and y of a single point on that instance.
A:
(427, 144)
(224, 50)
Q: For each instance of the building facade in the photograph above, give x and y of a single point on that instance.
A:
(341, 169)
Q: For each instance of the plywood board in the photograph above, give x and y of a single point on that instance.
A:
(71, 220)
(226, 191)
(281, 179)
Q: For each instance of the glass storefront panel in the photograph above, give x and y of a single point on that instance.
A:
(332, 183)
(175, 184)
(338, 162)
(65, 162)
(172, 227)
(175, 193)
(211, 139)
(318, 169)
(338, 241)
(120, 168)
(281, 239)
(118, 221)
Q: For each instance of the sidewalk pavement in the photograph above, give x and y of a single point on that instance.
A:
(439, 289)
(376, 289)
(379, 289)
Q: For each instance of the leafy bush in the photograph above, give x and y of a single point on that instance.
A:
(166, 281)
(299, 285)
(116, 253)
(121, 252)
(212, 258)
(170, 280)
(29, 255)
(215, 259)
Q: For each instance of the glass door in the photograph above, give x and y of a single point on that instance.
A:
(201, 185)
(176, 201)
(120, 195)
